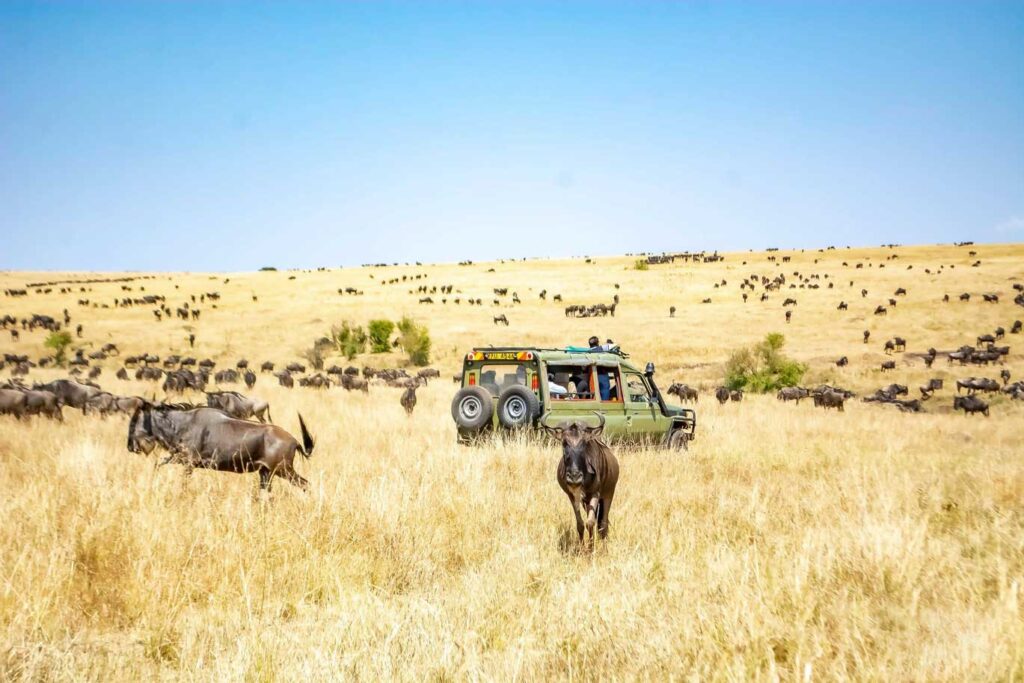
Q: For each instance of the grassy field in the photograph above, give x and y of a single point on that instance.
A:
(789, 543)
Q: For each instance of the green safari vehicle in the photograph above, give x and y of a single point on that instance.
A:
(514, 388)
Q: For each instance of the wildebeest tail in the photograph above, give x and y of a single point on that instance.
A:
(307, 438)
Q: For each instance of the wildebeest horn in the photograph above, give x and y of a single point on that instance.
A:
(600, 424)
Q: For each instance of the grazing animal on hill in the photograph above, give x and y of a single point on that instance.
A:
(588, 473)
(408, 399)
(970, 405)
(792, 394)
(210, 439)
(722, 394)
(239, 406)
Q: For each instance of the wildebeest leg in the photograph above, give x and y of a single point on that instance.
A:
(579, 517)
(265, 479)
(591, 518)
(602, 516)
(289, 474)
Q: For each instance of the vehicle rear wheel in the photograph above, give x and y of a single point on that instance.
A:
(472, 408)
(679, 440)
(517, 407)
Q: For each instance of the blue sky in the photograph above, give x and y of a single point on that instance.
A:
(228, 136)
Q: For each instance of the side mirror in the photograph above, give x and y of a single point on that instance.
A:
(649, 370)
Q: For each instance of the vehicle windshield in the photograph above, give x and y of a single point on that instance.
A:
(494, 378)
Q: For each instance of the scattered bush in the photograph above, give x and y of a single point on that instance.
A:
(640, 264)
(763, 367)
(59, 342)
(380, 335)
(415, 341)
(350, 340)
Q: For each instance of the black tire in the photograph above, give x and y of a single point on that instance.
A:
(678, 440)
(472, 408)
(517, 407)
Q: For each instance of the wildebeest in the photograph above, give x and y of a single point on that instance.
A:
(684, 391)
(986, 339)
(36, 402)
(69, 392)
(501, 319)
(587, 472)
(227, 376)
(250, 378)
(842, 362)
(210, 439)
(867, 335)
(722, 394)
(12, 402)
(792, 394)
(239, 406)
(267, 366)
(830, 399)
(927, 390)
(973, 384)
(888, 365)
(408, 399)
(880, 310)
(1005, 376)
(970, 405)
(353, 382)
(736, 395)
(295, 367)
(285, 379)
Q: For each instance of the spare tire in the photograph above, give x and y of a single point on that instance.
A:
(517, 407)
(472, 408)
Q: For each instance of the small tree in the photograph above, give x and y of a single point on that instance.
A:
(380, 335)
(763, 367)
(350, 340)
(59, 342)
(415, 341)
(640, 264)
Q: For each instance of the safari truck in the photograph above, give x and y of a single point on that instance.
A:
(514, 388)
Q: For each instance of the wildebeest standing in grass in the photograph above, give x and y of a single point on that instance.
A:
(210, 439)
(239, 406)
(408, 399)
(970, 405)
(587, 472)
(722, 394)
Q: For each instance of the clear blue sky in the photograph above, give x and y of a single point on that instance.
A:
(229, 136)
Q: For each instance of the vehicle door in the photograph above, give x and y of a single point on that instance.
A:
(641, 410)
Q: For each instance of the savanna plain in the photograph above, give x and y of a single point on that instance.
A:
(788, 543)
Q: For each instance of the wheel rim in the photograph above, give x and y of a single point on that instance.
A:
(515, 409)
(471, 407)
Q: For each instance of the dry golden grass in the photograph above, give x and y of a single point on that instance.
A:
(788, 544)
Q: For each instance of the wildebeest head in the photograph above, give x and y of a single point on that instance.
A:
(577, 455)
(140, 430)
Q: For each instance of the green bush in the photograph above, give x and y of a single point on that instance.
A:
(640, 264)
(763, 367)
(350, 340)
(380, 335)
(415, 341)
(59, 342)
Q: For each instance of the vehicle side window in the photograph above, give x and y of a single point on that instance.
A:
(570, 382)
(608, 384)
(636, 388)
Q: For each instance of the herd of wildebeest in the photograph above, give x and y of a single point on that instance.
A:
(235, 432)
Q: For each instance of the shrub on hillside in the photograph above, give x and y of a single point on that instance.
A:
(59, 342)
(380, 335)
(763, 367)
(415, 341)
(640, 264)
(349, 339)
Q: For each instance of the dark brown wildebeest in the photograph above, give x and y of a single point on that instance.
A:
(901, 291)
(12, 402)
(991, 298)
(672, 309)
(250, 378)
(888, 365)
(965, 297)
(928, 389)
(722, 394)
(880, 310)
(122, 374)
(900, 342)
(789, 315)
(890, 346)
(239, 406)
(285, 379)
(830, 399)
(228, 376)
(999, 332)
(295, 367)
(842, 306)
(1005, 376)
(408, 399)
(210, 439)
(970, 405)
(684, 391)
(867, 335)
(587, 472)
(1016, 327)
(353, 382)
(267, 367)
(428, 373)
(842, 362)
(501, 319)
(792, 394)
(736, 395)
(973, 384)
(242, 364)
(69, 392)
(986, 339)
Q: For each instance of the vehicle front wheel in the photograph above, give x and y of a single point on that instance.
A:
(679, 440)
(472, 408)
(517, 407)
